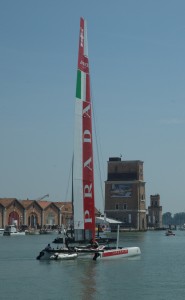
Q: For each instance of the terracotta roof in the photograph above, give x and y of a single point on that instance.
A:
(44, 204)
(66, 206)
(7, 201)
(26, 203)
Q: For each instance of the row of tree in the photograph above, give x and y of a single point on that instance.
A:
(178, 219)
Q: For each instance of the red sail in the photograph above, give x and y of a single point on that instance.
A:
(85, 150)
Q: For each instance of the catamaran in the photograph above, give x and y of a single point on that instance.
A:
(83, 171)
(84, 203)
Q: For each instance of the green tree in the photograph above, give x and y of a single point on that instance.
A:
(167, 219)
(179, 218)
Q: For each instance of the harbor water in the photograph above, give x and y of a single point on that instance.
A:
(158, 274)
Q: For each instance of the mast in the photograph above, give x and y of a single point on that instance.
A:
(83, 176)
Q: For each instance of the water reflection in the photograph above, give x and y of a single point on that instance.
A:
(87, 278)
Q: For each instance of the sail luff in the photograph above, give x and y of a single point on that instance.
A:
(84, 208)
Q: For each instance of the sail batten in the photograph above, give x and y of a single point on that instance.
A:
(84, 208)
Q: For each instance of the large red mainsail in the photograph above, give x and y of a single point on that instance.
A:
(83, 171)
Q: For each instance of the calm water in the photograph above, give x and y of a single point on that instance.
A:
(158, 274)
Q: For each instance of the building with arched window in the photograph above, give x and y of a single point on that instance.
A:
(35, 214)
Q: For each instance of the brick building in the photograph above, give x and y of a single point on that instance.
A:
(125, 193)
(34, 214)
(155, 212)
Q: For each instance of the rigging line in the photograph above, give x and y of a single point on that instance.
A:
(97, 138)
(72, 192)
(98, 152)
(69, 177)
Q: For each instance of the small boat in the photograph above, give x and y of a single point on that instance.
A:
(1, 231)
(169, 233)
(11, 230)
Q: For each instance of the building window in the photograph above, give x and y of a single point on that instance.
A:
(130, 218)
(50, 219)
(143, 197)
(33, 220)
(117, 206)
(124, 206)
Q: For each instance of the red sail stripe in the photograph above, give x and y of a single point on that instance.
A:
(87, 141)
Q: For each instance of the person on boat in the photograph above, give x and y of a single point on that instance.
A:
(67, 242)
(94, 244)
(48, 247)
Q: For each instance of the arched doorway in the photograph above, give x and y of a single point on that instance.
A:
(33, 220)
(13, 218)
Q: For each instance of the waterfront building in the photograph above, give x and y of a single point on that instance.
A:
(125, 193)
(155, 212)
(35, 213)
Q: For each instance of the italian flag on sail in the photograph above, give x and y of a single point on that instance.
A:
(81, 85)
(84, 214)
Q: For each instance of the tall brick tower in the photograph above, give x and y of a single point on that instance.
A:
(125, 193)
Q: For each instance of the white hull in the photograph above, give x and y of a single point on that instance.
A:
(56, 255)
(10, 230)
(6, 233)
(118, 253)
(63, 256)
(113, 253)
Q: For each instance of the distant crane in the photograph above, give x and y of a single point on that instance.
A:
(43, 197)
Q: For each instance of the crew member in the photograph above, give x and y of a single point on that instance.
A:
(94, 244)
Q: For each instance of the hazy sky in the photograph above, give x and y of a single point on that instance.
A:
(137, 65)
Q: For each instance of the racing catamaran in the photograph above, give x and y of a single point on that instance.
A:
(83, 173)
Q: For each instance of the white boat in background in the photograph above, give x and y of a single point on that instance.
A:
(11, 230)
(1, 231)
(169, 232)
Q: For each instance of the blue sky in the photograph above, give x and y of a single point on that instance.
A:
(137, 65)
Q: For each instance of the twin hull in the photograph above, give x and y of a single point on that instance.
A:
(102, 254)
(120, 253)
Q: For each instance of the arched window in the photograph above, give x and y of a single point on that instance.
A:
(33, 220)
(50, 219)
(13, 218)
